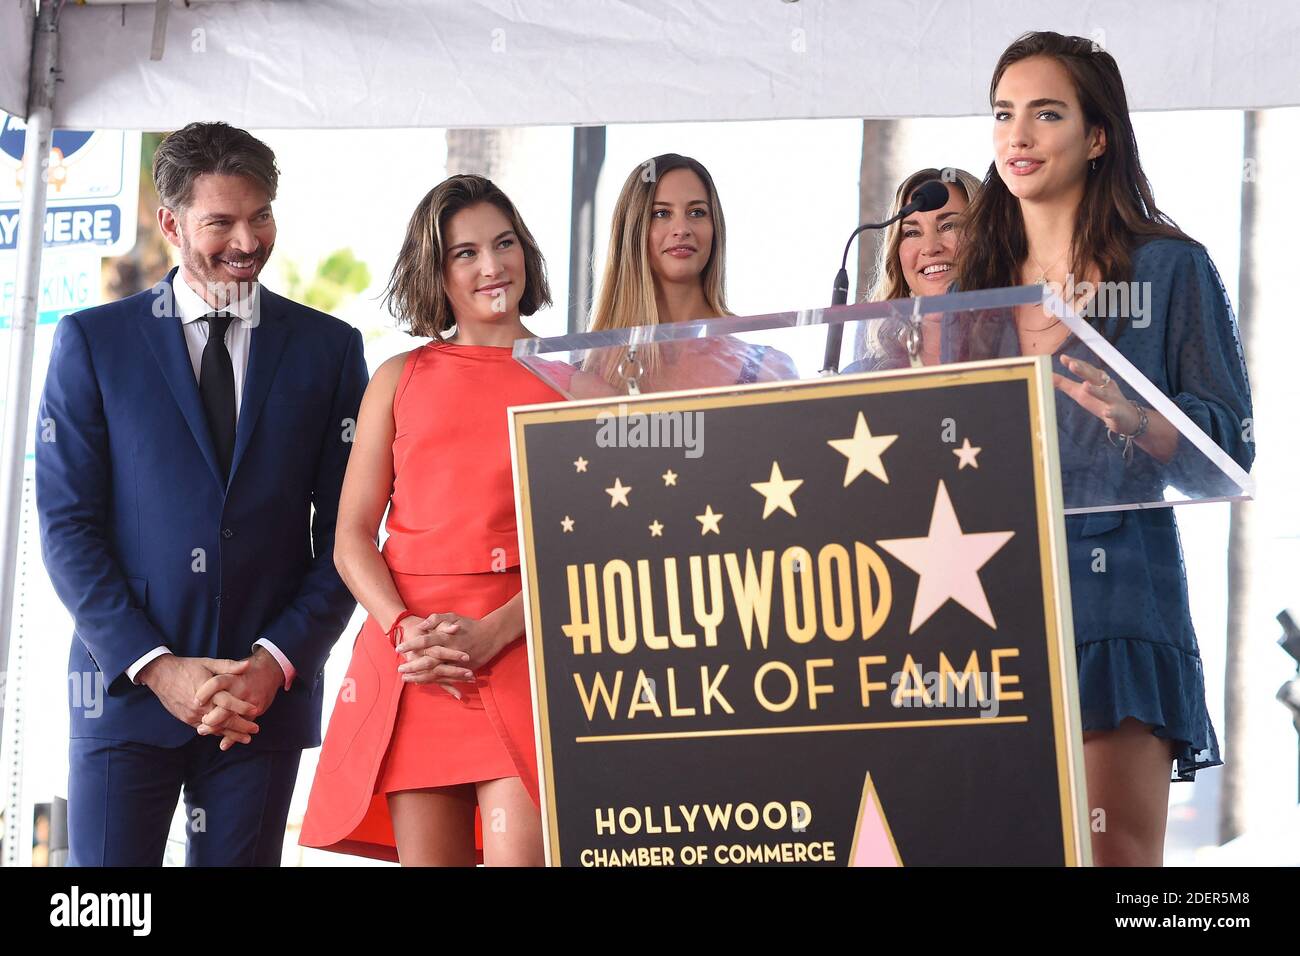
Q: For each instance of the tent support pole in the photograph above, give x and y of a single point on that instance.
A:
(22, 325)
(588, 158)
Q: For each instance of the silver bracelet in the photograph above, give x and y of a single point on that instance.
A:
(1125, 442)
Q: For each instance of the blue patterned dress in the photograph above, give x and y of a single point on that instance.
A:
(1136, 648)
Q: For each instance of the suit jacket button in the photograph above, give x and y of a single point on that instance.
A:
(227, 533)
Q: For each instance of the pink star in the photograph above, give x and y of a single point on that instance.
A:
(873, 844)
(948, 563)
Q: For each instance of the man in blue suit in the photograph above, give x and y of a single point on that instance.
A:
(193, 443)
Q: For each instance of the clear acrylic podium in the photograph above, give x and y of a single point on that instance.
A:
(1097, 472)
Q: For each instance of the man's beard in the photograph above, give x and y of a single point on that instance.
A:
(217, 286)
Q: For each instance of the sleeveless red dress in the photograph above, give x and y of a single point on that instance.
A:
(452, 546)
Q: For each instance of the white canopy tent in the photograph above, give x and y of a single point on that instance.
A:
(492, 63)
(339, 64)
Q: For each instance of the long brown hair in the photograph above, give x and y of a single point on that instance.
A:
(890, 283)
(1118, 206)
(416, 294)
(627, 288)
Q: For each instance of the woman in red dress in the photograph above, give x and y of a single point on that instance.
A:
(429, 757)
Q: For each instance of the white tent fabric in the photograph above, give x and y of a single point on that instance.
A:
(403, 63)
(15, 54)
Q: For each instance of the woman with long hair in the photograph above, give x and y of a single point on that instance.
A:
(1065, 201)
(917, 258)
(914, 246)
(667, 263)
(433, 725)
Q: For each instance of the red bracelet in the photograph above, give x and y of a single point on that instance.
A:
(397, 626)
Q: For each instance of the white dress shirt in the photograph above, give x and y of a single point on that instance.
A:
(193, 312)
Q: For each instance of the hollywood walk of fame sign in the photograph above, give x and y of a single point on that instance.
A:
(823, 622)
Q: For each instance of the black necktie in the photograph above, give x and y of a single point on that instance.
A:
(217, 389)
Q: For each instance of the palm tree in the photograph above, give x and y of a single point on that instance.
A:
(878, 177)
(1241, 531)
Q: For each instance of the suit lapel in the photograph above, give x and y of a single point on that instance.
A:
(166, 339)
(269, 339)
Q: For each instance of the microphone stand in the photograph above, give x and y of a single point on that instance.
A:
(928, 195)
(840, 290)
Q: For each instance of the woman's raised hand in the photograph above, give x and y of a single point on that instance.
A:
(1098, 394)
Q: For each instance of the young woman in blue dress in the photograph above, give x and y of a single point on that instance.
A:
(1066, 198)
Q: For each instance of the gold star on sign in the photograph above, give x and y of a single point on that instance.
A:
(709, 520)
(656, 529)
(863, 451)
(567, 524)
(777, 491)
(966, 454)
(618, 494)
(580, 464)
(670, 478)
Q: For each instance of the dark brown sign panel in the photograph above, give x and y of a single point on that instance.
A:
(815, 623)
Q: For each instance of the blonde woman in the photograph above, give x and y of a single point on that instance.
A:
(917, 259)
(667, 263)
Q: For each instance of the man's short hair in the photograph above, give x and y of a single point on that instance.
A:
(203, 148)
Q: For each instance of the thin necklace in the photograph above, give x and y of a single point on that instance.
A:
(1041, 280)
(1053, 323)
(1042, 273)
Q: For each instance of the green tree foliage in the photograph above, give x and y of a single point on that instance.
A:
(339, 277)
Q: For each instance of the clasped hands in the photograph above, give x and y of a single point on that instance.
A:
(445, 649)
(216, 695)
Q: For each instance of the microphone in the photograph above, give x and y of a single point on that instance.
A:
(927, 197)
